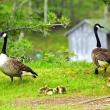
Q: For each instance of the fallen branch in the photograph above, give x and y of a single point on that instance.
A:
(93, 100)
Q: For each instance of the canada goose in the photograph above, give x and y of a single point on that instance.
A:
(46, 90)
(43, 90)
(50, 91)
(100, 56)
(10, 66)
(61, 89)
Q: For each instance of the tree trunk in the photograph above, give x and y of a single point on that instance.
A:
(107, 13)
(45, 10)
(21, 35)
(61, 11)
(14, 8)
(71, 11)
(30, 7)
(45, 14)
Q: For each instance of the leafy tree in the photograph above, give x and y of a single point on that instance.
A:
(16, 15)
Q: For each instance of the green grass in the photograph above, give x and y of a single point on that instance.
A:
(78, 78)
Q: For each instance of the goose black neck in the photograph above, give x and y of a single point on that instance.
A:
(4, 45)
(97, 38)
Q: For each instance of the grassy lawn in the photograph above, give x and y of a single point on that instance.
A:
(78, 78)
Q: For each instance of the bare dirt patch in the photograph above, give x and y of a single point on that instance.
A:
(90, 103)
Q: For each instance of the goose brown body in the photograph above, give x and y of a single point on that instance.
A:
(100, 56)
(14, 68)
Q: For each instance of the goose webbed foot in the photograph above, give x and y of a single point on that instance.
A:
(21, 78)
(11, 78)
(104, 71)
(96, 70)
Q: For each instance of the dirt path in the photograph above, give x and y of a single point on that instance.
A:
(91, 103)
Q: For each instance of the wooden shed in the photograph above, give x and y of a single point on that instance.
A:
(81, 39)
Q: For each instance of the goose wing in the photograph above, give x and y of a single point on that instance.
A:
(103, 56)
(19, 65)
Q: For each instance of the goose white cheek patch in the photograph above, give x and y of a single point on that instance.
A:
(4, 35)
(98, 27)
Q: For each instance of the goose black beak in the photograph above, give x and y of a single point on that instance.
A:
(101, 27)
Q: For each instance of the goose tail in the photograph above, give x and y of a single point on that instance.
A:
(28, 69)
(34, 74)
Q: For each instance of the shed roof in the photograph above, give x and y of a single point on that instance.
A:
(91, 23)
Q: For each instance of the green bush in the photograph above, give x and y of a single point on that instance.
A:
(18, 48)
(59, 56)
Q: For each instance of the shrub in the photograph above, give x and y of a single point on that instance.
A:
(59, 56)
(18, 48)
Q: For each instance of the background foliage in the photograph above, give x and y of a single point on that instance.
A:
(30, 13)
(17, 16)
